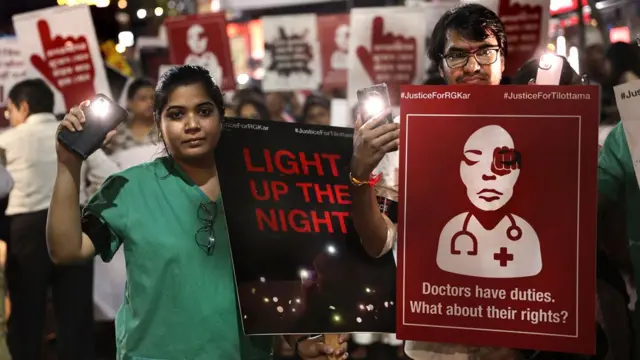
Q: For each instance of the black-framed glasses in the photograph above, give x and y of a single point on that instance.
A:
(484, 56)
(205, 236)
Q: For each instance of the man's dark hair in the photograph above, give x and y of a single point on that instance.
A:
(473, 22)
(36, 93)
(136, 85)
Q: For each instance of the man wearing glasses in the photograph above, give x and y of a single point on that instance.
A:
(469, 46)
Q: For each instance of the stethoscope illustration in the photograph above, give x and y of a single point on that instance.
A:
(514, 233)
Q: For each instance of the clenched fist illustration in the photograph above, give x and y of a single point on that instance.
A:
(67, 65)
(505, 160)
(391, 58)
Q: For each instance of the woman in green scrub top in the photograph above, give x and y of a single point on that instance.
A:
(180, 299)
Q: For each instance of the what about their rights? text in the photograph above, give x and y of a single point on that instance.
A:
(516, 296)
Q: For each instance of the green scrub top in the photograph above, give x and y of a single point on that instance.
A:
(617, 182)
(180, 303)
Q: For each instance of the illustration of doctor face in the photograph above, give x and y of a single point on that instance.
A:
(490, 167)
(196, 40)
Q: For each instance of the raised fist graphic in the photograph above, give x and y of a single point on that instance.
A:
(391, 58)
(505, 160)
(66, 65)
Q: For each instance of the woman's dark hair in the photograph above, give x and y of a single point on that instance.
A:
(136, 85)
(529, 70)
(182, 76)
(255, 100)
(623, 58)
(473, 22)
(314, 100)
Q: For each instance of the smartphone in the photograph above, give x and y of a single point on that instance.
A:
(102, 115)
(373, 100)
(549, 70)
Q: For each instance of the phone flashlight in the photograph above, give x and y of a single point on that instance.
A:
(549, 69)
(102, 116)
(99, 107)
(546, 61)
(374, 104)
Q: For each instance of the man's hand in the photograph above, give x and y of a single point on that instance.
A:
(372, 140)
(316, 349)
(66, 64)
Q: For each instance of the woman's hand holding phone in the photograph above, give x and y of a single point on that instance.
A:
(372, 140)
(73, 122)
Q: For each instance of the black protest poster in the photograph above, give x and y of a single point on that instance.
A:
(299, 265)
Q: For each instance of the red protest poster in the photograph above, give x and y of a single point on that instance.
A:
(60, 46)
(333, 33)
(526, 23)
(202, 40)
(497, 229)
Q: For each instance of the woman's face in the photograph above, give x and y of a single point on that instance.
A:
(248, 111)
(190, 123)
(318, 115)
(141, 106)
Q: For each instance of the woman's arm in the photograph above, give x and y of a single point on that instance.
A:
(65, 239)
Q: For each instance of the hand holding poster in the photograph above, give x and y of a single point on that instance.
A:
(299, 265)
(202, 40)
(292, 53)
(64, 51)
(628, 101)
(482, 255)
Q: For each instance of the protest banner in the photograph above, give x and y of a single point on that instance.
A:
(64, 51)
(292, 58)
(628, 102)
(333, 33)
(202, 40)
(12, 71)
(299, 265)
(497, 226)
(386, 44)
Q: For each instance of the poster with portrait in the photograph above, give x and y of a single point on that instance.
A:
(299, 265)
(333, 33)
(202, 40)
(482, 254)
(386, 44)
(12, 71)
(292, 59)
(59, 44)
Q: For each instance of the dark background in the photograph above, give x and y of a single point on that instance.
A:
(347, 291)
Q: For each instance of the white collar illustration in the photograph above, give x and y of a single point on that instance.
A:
(489, 170)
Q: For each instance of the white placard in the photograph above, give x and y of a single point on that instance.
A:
(628, 101)
(59, 44)
(340, 114)
(12, 67)
(397, 21)
(291, 43)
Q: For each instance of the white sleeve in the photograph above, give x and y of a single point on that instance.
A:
(99, 168)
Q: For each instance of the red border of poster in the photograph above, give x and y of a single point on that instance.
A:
(546, 299)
